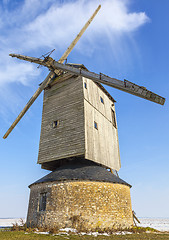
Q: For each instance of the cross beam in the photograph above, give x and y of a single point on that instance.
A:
(125, 85)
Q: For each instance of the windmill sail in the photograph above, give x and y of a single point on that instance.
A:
(51, 74)
(125, 85)
(31, 101)
(69, 49)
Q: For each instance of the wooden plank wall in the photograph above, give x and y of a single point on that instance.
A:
(63, 102)
(101, 145)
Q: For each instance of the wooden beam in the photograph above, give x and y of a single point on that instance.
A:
(125, 85)
(48, 79)
(69, 49)
(31, 101)
(134, 217)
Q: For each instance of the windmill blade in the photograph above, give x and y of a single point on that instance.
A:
(31, 101)
(69, 49)
(125, 85)
(74, 42)
(28, 59)
(51, 74)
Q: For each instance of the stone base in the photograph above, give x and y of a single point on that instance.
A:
(87, 205)
(82, 196)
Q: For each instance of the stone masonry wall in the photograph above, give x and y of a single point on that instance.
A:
(84, 204)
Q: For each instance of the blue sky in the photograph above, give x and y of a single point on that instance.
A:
(128, 39)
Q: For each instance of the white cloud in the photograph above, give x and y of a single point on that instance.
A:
(60, 24)
(33, 27)
(15, 71)
(47, 24)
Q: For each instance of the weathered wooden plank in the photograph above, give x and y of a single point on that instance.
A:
(63, 102)
(101, 144)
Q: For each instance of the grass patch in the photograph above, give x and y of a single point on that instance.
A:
(31, 236)
(22, 232)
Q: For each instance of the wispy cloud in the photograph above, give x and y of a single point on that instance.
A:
(43, 24)
(33, 27)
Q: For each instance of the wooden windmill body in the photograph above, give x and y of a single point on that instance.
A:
(78, 123)
(78, 142)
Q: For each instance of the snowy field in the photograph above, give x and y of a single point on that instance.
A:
(8, 222)
(161, 224)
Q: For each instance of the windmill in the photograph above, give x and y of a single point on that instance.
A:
(79, 140)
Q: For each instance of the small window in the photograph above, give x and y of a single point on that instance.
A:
(95, 125)
(114, 118)
(85, 85)
(42, 202)
(101, 99)
(55, 124)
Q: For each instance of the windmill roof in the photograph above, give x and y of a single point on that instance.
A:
(77, 65)
(81, 172)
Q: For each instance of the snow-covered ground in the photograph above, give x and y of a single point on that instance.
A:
(8, 222)
(161, 224)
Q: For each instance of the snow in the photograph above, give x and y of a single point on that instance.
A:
(161, 224)
(8, 222)
(122, 233)
(95, 234)
(68, 230)
(45, 233)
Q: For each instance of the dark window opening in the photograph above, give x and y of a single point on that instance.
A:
(85, 85)
(114, 118)
(55, 123)
(42, 202)
(95, 125)
(101, 99)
